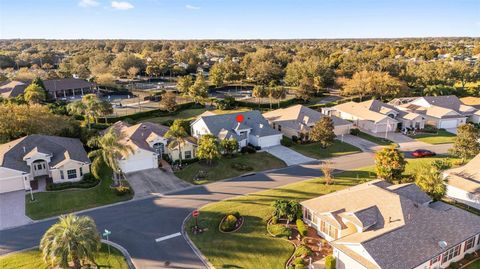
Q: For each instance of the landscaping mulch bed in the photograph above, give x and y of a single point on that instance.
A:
(238, 225)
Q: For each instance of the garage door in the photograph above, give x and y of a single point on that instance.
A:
(269, 141)
(137, 165)
(446, 124)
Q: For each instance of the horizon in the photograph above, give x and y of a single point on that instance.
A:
(242, 20)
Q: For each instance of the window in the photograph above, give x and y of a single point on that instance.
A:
(308, 214)
(81, 171)
(451, 253)
(469, 243)
(188, 154)
(279, 127)
(435, 260)
(327, 228)
(273, 125)
(159, 148)
(62, 176)
(39, 166)
(71, 174)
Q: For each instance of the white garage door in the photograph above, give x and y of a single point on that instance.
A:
(269, 141)
(137, 165)
(446, 124)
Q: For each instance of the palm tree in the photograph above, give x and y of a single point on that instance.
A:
(178, 134)
(34, 94)
(88, 107)
(104, 109)
(72, 239)
(110, 149)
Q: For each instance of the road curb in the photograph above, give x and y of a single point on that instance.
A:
(124, 252)
(193, 247)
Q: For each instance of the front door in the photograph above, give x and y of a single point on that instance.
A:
(40, 168)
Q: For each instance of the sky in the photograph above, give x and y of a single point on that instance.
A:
(237, 19)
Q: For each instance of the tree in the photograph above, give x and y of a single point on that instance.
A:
(217, 75)
(72, 239)
(208, 148)
(229, 146)
(38, 81)
(88, 106)
(132, 72)
(327, 169)
(178, 134)
(466, 143)
(34, 94)
(305, 89)
(373, 83)
(259, 92)
(199, 90)
(322, 132)
(279, 93)
(280, 208)
(389, 164)
(109, 150)
(105, 108)
(438, 90)
(169, 101)
(184, 83)
(430, 180)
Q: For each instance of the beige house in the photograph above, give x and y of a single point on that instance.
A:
(148, 143)
(37, 157)
(463, 183)
(378, 225)
(377, 117)
(298, 119)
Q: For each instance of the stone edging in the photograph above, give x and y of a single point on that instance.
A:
(238, 228)
(124, 252)
(294, 246)
(192, 245)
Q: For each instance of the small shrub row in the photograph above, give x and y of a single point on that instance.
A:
(279, 230)
(287, 142)
(301, 227)
(88, 181)
(330, 262)
(355, 132)
(123, 189)
(248, 149)
(302, 251)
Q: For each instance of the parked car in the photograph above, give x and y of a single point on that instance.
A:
(419, 153)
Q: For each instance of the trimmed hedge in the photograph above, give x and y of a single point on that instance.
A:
(88, 181)
(301, 227)
(229, 223)
(330, 262)
(302, 251)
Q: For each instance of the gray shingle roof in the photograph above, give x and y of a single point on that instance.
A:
(52, 85)
(61, 148)
(412, 192)
(252, 119)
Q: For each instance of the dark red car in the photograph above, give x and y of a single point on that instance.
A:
(419, 153)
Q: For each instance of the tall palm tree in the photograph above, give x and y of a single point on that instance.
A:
(72, 239)
(178, 134)
(89, 107)
(110, 149)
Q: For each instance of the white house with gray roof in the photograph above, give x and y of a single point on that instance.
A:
(379, 225)
(253, 130)
(37, 157)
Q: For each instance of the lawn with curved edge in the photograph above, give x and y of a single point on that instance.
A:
(252, 246)
(33, 259)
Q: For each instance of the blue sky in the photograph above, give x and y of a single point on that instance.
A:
(237, 19)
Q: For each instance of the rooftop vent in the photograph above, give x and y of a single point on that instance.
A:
(442, 244)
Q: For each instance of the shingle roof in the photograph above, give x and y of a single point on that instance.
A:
(362, 111)
(466, 177)
(13, 88)
(138, 134)
(252, 119)
(52, 85)
(61, 148)
(406, 233)
(411, 191)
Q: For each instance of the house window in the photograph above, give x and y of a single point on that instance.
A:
(62, 176)
(188, 154)
(71, 174)
(273, 125)
(39, 166)
(469, 243)
(309, 214)
(327, 228)
(451, 253)
(81, 171)
(159, 148)
(280, 127)
(435, 260)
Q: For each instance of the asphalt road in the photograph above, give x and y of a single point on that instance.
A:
(135, 225)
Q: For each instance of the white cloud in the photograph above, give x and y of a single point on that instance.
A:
(122, 5)
(88, 3)
(192, 7)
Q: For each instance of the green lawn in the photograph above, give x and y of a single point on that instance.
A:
(441, 137)
(184, 114)
(314, 150)
(33, 259)
(376, 140)
(474, 265)
(222, 168)
(251, 246)
(49, 204)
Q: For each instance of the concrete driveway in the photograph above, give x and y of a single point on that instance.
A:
(289, 156)
(12, 209)
(360, 143)
(154, 181)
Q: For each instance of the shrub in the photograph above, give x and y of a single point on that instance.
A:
(229, 223)
(468, 256)
(354, 132)
(300, 266)
(291, 266)
(235, 213)
(279, 230)
(123, 189)
(442, 164)
(301, 227)
(330, 262)
(294, 138)
(430, 129)
(286, 142)
(88, 181)
(454, 265)
(241, 167)
(248, 149)
(302, 251)
(299, 261)
(274, 220)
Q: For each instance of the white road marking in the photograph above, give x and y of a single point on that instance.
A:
(167, 237)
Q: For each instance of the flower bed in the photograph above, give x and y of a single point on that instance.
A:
(231, 223)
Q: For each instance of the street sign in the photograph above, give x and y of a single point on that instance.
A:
(106, 233)
(195, 213)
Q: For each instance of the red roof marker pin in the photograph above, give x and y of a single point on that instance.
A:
(239, 118)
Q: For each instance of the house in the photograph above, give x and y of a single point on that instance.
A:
(148, 143)
(463, 183)
(471, 101)
(37, 157)
(377, 117)
(298, 119)
(379, 225)
(56, 88)
(254, 129)
(445, 112)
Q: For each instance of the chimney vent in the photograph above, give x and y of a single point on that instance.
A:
(442, 244)
(24, 149)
